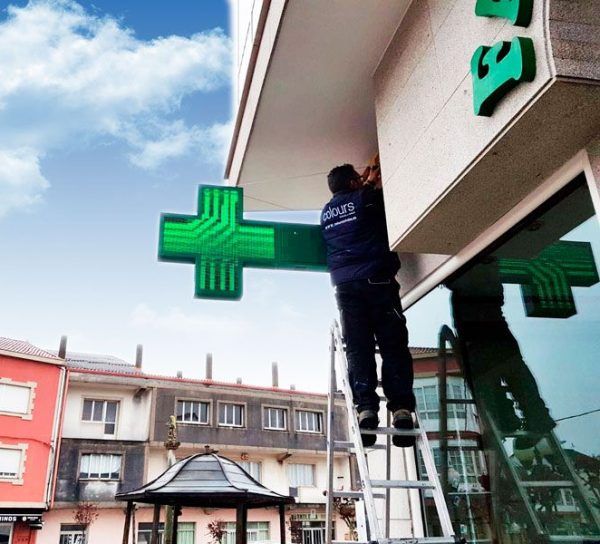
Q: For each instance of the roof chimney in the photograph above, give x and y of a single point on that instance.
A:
(179, 374)
(62, 349)
(292, 387)
(238, 380)
(139, 351)
(209, 366)
(275, 374)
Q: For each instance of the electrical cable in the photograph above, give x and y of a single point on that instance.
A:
(578, 415)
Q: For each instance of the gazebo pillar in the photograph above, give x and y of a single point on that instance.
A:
(282, 523)
(241, 526)
(155, 523)
(127, 526)
(176, 514)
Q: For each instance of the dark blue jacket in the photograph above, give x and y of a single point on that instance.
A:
(354, 229)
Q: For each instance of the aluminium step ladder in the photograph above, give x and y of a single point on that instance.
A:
(497, 437)
(366, 496)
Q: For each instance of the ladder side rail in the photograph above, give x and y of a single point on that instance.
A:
(432, 475)
(330, 443)
(388, 475)
(443, 389)
(450, 337)
(361, 459)
(577, 485)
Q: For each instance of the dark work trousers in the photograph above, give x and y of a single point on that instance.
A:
(369, 310)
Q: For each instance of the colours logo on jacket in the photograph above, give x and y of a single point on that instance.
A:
(344, 212)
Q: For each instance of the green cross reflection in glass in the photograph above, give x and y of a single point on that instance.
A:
(546, 281)
(221, 243)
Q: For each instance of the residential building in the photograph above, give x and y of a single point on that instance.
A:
(32, 389)
(486, 117)
(113, 440)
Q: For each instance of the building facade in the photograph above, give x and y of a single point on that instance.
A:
(32, 389)
(115, 428)
(486, 116)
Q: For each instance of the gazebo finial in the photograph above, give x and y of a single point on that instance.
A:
(172, 443)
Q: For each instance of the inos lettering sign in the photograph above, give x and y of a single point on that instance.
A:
(547, 281)
(220, 243)
(496, 70)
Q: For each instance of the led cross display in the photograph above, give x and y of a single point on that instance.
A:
(546, 281)
(221, 243)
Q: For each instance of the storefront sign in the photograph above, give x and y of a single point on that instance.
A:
(496, 70)
(518, 12)
(23, 518)
(219, 242)
(546, 281)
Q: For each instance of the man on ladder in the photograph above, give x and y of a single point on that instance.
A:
(363, 270)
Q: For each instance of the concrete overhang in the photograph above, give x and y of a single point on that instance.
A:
(310, 104)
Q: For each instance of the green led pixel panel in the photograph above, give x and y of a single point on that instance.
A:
(546, 281)
(498, 69)
(220, 243)
(517, 11)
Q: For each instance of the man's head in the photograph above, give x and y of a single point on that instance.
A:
(343, 178)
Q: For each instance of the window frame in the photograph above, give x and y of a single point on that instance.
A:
(104, 453)
(209, 402)
(11, 527)
(286, 412)
(20, 477)
(230, 528)
(314, 475)
(103, 422)
(28, 415)
(260, 471)
(232, 403)
(321, 413)
(73, 532)
(148, 529)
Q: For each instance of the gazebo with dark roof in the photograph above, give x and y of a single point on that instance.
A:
(205, 480)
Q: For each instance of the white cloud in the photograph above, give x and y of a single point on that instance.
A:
(177, 321)
(176, 140)
(21, 182)
(69, 77)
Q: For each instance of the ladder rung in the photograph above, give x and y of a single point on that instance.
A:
(409, 540)
(469, 493)
(423, 540)
(402, 484)
(463, 448)
(392, 430)
(356, 494)
(416, 540)
(344, 445)
(460, 401)
(516, 434)
(579, 539)
(554, 483)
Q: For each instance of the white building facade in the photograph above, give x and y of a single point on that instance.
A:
(116, 423)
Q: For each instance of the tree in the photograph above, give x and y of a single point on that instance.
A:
(85, 514)
(347, 511)
(216, 531)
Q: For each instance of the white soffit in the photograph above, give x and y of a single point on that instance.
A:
(316, 108)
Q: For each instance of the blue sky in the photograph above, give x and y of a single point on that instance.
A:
(113, 112)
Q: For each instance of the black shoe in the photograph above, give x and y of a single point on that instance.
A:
(368, 419)
(403, 420)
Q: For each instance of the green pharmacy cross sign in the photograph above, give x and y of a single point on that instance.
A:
(220, 243)
(546, 281)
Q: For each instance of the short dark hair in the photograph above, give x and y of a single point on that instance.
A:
(340, 178)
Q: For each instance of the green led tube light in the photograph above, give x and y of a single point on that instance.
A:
(220, 243)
